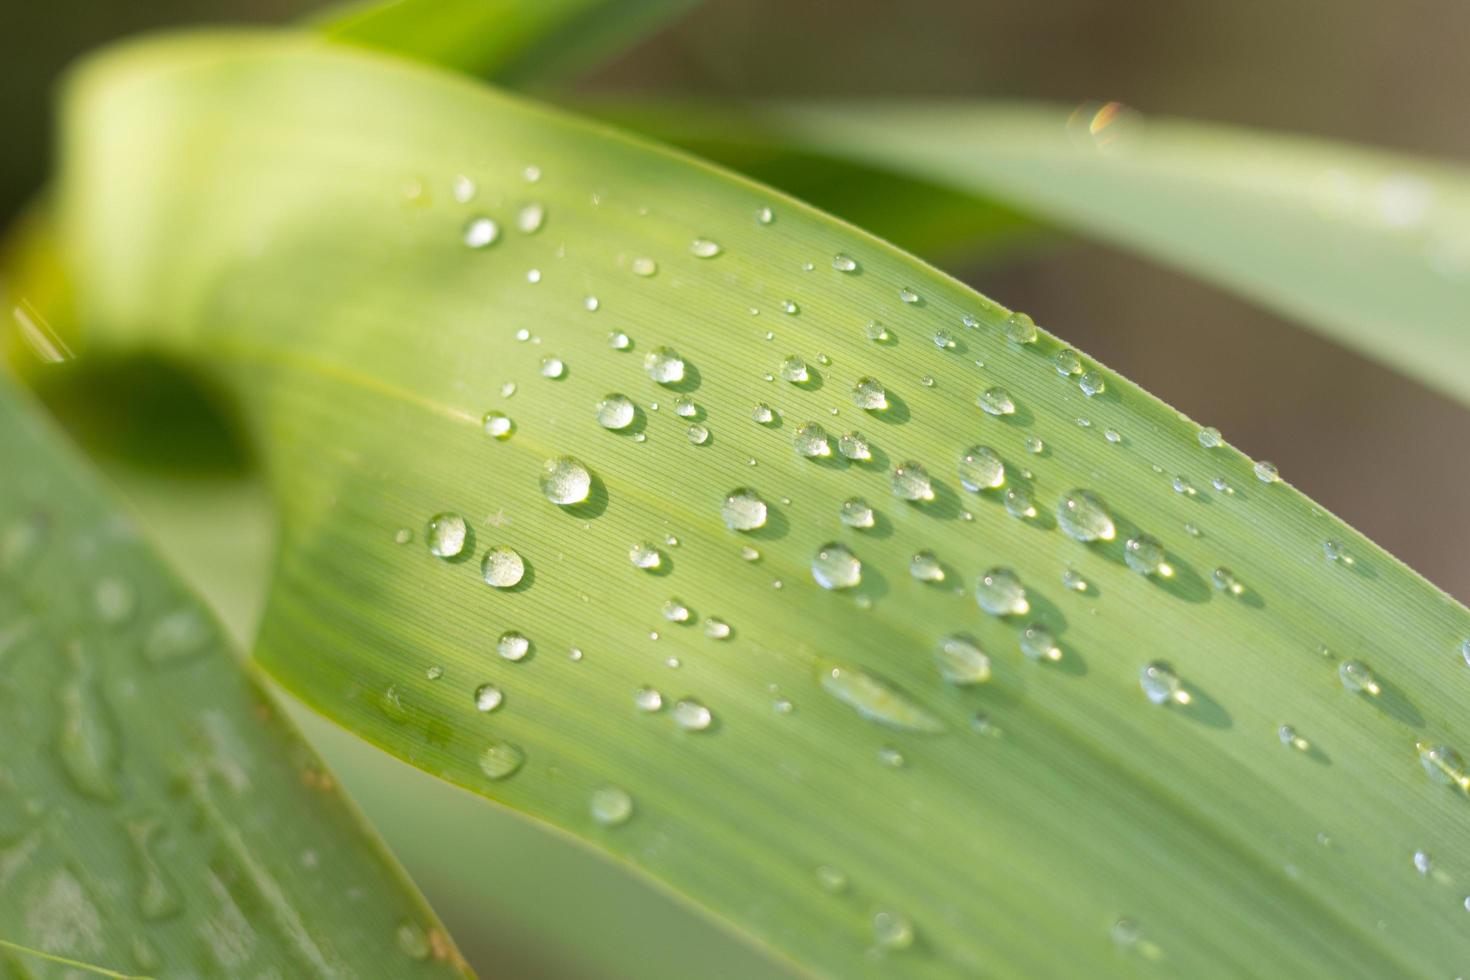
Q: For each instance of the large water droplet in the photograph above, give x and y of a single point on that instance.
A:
(743, 510)
(875, 699)
(1018, 503)
(996, 401)
(513, 646)
(501, 760)
(855, 512)
(1038, 643)
(1083, 516)
(981, 469)
(1020, 329)
(498, 425)
(481, 232)
(664, 365)
(1092, 384)
(488, 697)
(1145, 555)
(692, 716)
(910, 481)
(615, 411)
(925, 566)
(565, 481)
(1358, 678)
(1159, 682)
(812, 441)
(704, 248)
(1444, 765)
(611, 805)
(1067, 362)
(502, 567)
(961, 661)
(869, 394)
(1000, 593)
(445, 535)
(836, 567)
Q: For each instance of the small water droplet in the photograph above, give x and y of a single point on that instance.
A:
(1226, 581)
(565, 481)
(1067, 362)
(891, 757)
(1145, 555)
(664, 365)
(836, 567)
(497, 425)
(961, 661)
(1357, 677)
(501, 760)
(685, 408)
(1074, 580)
(1292, 739)
(692, 716)
(445, 535)
(855, 512)
(1160, 684)
(1020, 329)
(513, 646)
(1209, 437)
(944, 339)
(870, 395)
(794, 369)
(611, 806)
(531, 174)
(697, 434)
(645, 556)
(716, 628)
(1038, 643)
(743, 510)
(996, 401)
(854, 446)
(831, 880)
(1443, 764)
(1267, 472)
(113, 600)
(1018, 503)
(553, 367)
(908, 295)
(1034, 444)
(763, 414)
(675, 611)
(1334, 551)
(1000, 593)
(764, 216)
(530, 217)
(1182, 485)
(644, 266)
(648, 699)
(876, 332)
(789, 308)
(502, 567)
(704, 248)
(1083, 516)
(981, 469)
(464, 189)
(1423, 863)
(618, 340)
(892, 930)
(488, 697)
(844, 263)
(1092, 384)
(812, 441)
(591, 304)
(615, 411)
(481, 232)
(910, 481)
(434, 672)
(402, 536)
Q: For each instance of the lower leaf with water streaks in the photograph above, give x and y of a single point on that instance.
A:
(1007, 723)
(156, 816)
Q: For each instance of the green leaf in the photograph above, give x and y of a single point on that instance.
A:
(513, 41)
(276, 212)
(1365, 246)
(156, 815)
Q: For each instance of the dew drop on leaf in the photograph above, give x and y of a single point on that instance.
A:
(844, 263)
(1038, 643)
(704, 248)
(910, 481)
(501, 760)
(716, 628)
(615, 411)
(924, 566)
(812, 441)
(445, 535)
(869, 394)
(648, 699)
(961, 661)
(645, 556)
(794, 369)
(999, 592)
(502, 567)
(892, 931)
(1357, 677)
(513, 646)
(664, 365)
(996, 401)
(692, 716)
(497, 425)
(488, 697)
(1020, 329)
(743, 510)
(1145, 555)
(1267, 472)
(1159, 683)
(981, 469)
(835, 567)
(1209, 437)
(565, 481)
(553, 368)
(530, 217)
(1092, 384)
(854, 446)
(481, 232)
(611, 806)
(1067, 362)
(875, 699)
(855, 512)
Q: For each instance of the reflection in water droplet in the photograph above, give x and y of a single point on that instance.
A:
(961, 661)
(891, 757)
(501, 760)
(445, 535)
(743, 510)
(611, 805)
(1000, 593)
(565, 481)
(794, 369)
(502, 567)
(836, 567)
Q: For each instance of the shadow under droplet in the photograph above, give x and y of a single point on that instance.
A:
(690, 381)
(1392, 701)
(595, 503)
(1317, 755)
(777, 525)
(633, 428)
(897, 412)
(664, 568)
(874, 585)
(1204, 709)
(945, 505)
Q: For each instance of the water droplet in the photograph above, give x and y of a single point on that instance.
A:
(645, 556)
(508, 389)
(498, 425)
(811, 440)
(481, 232)
(910, 481)
(533, 276)
(875, 699)
(1160, 684)
(488, 697)
(692, 716)
(1423, 863)
(1020, 329)
(981, 469)
(1209, 437)
(1225, 581)
(944, 339)
(925, 566)
(553, 367)
(704, 248)
(1145, 555)
(836, 567)
(961, 661)
(892, 931)
(531, 174)
(434, 672)
(764, 216)
(1182, 485)
(1092, 383)
(996, 401)
(716, 628)
(1220, 484)
(844, 263)
(513, 646)
(876, 332)
(1292, 739)
(793, 369)
(1034, 444)
(698, 434)
(1334, 551)
(591, 304)
(618, 340)
(1074, 580)
(1113, 436)
(1083, 516)
(501, 760)
(831, 880)
(675, 611)
(402, 536)
(854, 446)
(1267, 472)
(855, 512)
(743, 510)
(648, 699)
(908, 295)
(464, 189)
(1443, 764)
(1000, 593)
(445, 535)
(565, 481)
(1018, 503)
(1192, 530)
(1067, 362)
(685, 408)
(1125, 933)
(891, 757)
(615, 411)
(1038, 643)
(502, 567)
(611, 806)
(530, 217)
(1358, 678)
(644, 266)
(664, 365)
(869, 394)
(763, 414)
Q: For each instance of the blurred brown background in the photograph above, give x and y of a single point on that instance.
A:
(1377, 449)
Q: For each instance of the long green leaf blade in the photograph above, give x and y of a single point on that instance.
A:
(240, 202)
(1367, 247)
(157, 817)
